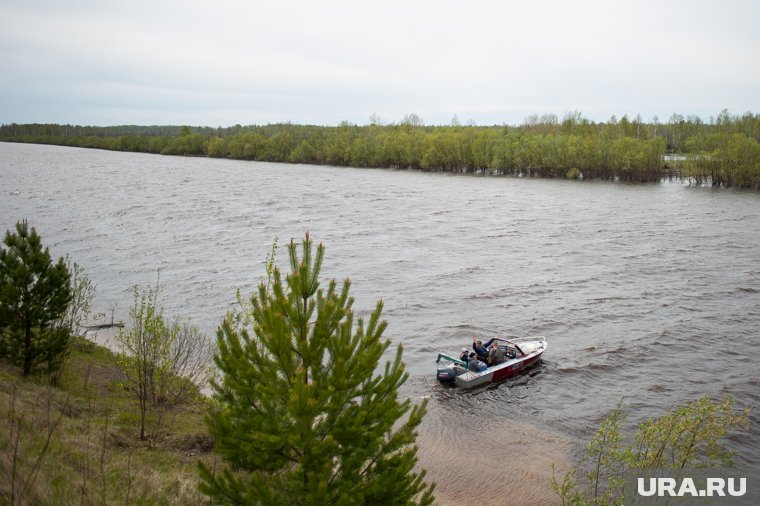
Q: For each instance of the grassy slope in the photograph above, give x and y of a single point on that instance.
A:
(78, 443)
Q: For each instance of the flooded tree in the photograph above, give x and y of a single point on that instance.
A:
(724, 151)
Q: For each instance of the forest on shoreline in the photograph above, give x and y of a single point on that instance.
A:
(724, 151)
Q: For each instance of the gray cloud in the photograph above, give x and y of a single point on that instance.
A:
(229, 62)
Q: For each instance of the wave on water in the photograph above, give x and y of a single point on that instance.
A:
(648, 301)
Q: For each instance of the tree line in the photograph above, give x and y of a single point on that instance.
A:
(724, 151)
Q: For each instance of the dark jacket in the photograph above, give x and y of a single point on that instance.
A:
(482, 351)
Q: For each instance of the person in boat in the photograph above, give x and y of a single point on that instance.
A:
(495, 355)
(464, 356)
(480, 348)
(475, 365)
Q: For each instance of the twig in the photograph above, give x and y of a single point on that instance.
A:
(51, 429)
(103, 458)
(13, 432)
(129, 477)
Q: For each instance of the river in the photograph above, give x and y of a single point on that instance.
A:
(645, 292)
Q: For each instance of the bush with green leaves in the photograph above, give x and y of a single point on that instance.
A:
(688, 436)
(164, 361)
(78, 311)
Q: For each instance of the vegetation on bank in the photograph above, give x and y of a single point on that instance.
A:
(302, 414)
(163, 361)
(78, 442)
(725, 151)
(689, 436)
(68, 405)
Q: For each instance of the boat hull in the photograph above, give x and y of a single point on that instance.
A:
(531, 350)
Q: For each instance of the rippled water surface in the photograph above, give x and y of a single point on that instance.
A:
(646, 292)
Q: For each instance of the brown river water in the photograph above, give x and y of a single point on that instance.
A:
(649, 293)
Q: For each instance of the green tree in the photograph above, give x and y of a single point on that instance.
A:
(301, 415)
(688, 436)
(34, 294)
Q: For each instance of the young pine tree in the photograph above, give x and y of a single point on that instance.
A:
(301, 415)
(34, 293)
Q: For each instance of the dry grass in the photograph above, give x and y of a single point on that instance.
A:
(78, 443)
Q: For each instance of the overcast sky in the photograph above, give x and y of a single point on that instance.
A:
(226, 62)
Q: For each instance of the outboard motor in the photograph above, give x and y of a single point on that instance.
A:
(446, 374)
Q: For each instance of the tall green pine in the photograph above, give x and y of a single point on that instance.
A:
(34, 293)
(302, 414)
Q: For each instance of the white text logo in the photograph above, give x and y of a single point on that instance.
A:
(714, 487)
